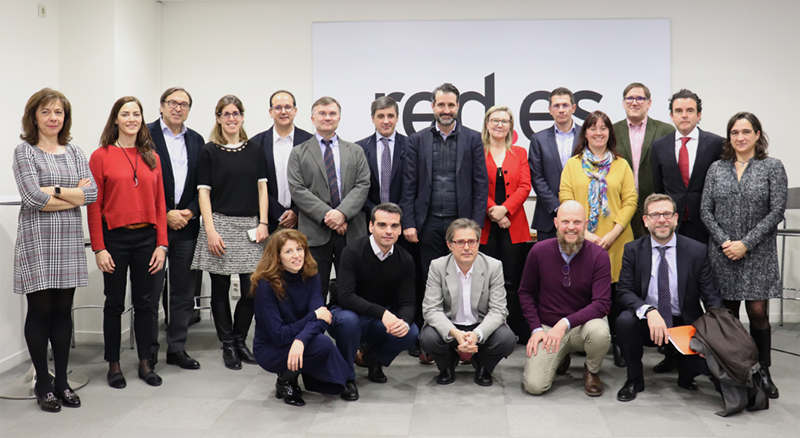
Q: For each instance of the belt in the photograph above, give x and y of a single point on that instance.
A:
(136, 226)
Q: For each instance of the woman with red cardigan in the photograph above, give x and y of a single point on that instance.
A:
(128, 228)
(505, 228)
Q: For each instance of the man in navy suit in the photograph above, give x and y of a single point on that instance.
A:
(549, 151)
(663, 279)
(444, 177)
(283, 109)
(177, 146)
(680, 162)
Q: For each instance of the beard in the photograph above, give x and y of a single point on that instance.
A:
(443, 122)
(569, 248)
(662, 234)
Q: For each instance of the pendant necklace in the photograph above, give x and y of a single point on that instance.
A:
(135, 169)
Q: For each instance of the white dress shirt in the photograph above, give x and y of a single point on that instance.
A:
(336, 160)
(178, 157)
(691, 146)
(281, 149)
(652, 290)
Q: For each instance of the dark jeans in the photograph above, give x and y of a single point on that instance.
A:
(351, 330)
(497, 346)
(327, 255)
(182, 285)
(129, 249)
(433, 241)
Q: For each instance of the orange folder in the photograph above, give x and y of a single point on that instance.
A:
(680, 337)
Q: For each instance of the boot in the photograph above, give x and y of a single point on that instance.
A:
(230, 356)
(245, 355)
(763, 339)
(286, 391)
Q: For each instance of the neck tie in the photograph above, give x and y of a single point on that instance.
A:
(386, 170)
(664, 295)
(330, 169)
(683, 165)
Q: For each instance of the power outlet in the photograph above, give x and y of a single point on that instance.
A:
(236, 289)
(42, 11)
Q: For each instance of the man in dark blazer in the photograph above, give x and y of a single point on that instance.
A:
(178, 147)
(282, 110)
(664, 278)
(329, 182)
(549, 151)
(685, 182)
(635, 134)
(444, 179)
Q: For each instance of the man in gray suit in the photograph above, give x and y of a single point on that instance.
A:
(329, 182)
(549, 151)
(465, 307)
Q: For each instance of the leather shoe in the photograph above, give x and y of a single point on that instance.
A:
(688, 384)
(68, 398)
(766, 383)
(619, 360)
(116, 380)
(593, 387)
(563, 366)
(231, 357)
(482, 376)
(375, 371)
(245, 355)
(285, 390)
(414, 351)
(359, 360)
(664, 366)
(630, 389)
(350, 392)
(296, 387)
(183, 360)
(150, 377)
(49, 402)
(447, 374)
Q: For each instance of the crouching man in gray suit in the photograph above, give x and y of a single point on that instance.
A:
(465, 307)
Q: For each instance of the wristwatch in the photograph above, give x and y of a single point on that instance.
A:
(648, 309)
(58, 192)
(166, 250)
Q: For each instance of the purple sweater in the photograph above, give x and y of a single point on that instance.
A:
(545, 299)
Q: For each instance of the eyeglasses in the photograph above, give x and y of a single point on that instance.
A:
(566, 280)
(559, 106)
(325, 114)
(174, 104)
(638, 99)
(227, 115)
(279, 109)
(498, 122)
(655, 216)
(460, 243)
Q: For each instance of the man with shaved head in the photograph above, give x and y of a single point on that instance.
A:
(565, 294)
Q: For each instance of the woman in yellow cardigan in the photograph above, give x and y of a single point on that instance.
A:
(599, 179)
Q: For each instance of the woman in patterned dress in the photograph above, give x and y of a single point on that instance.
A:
(53, 180)
(232, 193)
(743, 202)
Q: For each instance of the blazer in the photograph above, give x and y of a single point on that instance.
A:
(545, 164)
(472, 184)
(443, 295)
(194, 142)
(667, 175)
(308, 183)
(517, 176)
(696, 280)
(396, 181)
(265, 139)
(654, 129)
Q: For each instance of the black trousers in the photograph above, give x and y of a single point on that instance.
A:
(328, 255)
(497, 346)
(130, 249)
(432, 241)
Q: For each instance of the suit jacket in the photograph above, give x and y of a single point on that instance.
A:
(545, 163)
(194, 142)
(667, 176)
(696, 280)
(443, 295)
(265, 139)
(517, 176)
(396, 182)
(308, 183)
(472, 184)
(655, 129)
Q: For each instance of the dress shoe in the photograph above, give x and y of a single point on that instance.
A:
(619, 360)
(447, 374)
(592, 385)
(414, 351)
(359, 360)
(183, 360)
(482, 376)
(150, 377)
(245, 355)
(375, 371)
(285, 390)
(687, 384)
(49, 402)
(766, 383)
(350, 392)
(153, 360)
(563, 366)
(231, 357)
(425, 359)
(68, 398)
(630, 389)
(116, 380)
(664, 366)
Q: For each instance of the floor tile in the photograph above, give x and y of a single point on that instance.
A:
(550, 421)
(455, 419)
(653, 421)
(176, 413)
(359, 418)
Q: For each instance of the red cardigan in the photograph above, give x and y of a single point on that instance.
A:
(119, 201)
(517, 175)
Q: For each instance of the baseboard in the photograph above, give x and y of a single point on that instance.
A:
(14, 360)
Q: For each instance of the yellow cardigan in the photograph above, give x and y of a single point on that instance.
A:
(622, 202)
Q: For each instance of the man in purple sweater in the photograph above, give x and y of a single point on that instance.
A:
(565, 294)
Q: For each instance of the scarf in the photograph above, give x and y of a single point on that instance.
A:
(596, 168)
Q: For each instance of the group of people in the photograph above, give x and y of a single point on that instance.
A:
(285, 207)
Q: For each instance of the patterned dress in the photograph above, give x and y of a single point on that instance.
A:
(748, 210)
(49, 253)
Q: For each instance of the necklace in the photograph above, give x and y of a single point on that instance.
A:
(742, 164)
(135, 169)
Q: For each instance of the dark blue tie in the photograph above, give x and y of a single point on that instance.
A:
(330, 168)
(664, 295)
(386, 170)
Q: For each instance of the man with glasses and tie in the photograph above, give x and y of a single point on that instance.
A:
(277, 143)
(565, 294)
(465, 307)
(329, 182)
(664, 278)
